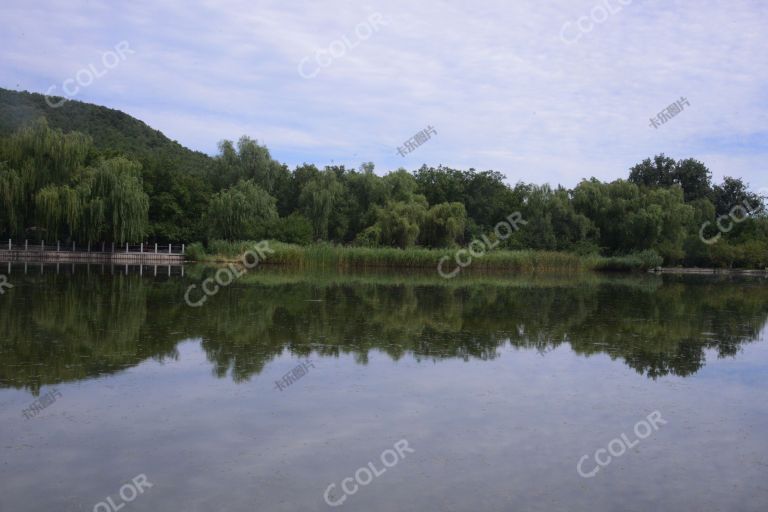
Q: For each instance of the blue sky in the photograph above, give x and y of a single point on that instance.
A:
(513, 86)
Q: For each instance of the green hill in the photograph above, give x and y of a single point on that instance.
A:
(112, 131)
(175, 178)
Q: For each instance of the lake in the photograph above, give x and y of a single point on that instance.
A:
(289, 391)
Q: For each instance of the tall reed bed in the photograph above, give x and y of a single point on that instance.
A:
(343, 257)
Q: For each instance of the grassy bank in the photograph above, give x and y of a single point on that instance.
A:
(342, 257)
(410, 277)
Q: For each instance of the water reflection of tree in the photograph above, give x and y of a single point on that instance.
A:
(667, 332)
(62, 328)
(56, 328)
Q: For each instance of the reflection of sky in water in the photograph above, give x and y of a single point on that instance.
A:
(503, 433)
(747, 368)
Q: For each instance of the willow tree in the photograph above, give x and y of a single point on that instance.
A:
(249, 160)
(58, 210)
(242, 212)
(11, 201)
(38, 165)
(317, 200)
(444, 224)
(116, 208)
(45, 155)
(399, 223)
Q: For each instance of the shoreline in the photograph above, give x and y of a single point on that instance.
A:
(443, 261)
(322, 256)
(708, 271)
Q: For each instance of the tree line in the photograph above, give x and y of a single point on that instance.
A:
(57, 185)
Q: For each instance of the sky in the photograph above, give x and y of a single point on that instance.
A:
(544, 92)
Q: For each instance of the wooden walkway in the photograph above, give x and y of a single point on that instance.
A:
(167, 254)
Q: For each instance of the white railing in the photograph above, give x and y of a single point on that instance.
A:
(97, 247)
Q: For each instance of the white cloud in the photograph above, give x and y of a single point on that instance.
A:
(495, 79)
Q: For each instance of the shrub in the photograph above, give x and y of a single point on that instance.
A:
(293, 229)
(195, 251)
(649, 259)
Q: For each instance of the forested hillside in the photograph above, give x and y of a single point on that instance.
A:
(171, 174)
(111, 130)
(91, 173)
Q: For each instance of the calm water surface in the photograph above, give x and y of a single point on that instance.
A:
(500, 386)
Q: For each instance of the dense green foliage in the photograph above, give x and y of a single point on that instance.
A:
(97, 174)
(241, 212)
(172, 175)
(652, 325)
(54, 185)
